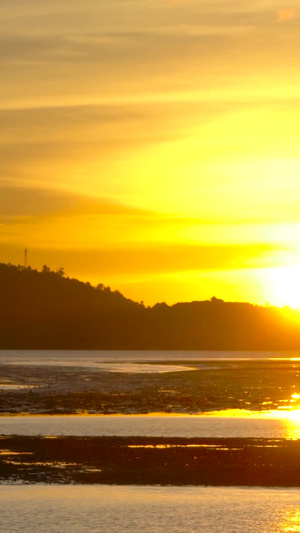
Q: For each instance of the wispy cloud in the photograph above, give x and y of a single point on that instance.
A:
(18, 202)
(154, 260)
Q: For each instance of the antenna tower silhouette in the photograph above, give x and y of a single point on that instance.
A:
(25, 257)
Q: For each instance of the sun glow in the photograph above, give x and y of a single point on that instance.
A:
(285, 285)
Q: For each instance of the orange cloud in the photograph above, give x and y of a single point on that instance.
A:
(288, 13)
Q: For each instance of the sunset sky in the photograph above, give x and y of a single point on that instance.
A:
(154, 145)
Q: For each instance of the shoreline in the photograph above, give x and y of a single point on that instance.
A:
(241, 414)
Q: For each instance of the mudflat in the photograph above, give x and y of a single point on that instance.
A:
(146, 461)
(207, 386)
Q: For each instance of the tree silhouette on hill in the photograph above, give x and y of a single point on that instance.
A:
(47, 310)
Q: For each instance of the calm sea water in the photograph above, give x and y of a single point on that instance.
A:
(95, 357)
(151, 426)
(108, 509)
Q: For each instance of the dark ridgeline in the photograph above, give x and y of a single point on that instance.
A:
(45, 310)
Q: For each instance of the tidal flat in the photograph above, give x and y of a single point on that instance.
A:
(150, 461)
(90, 385)
(187, 387)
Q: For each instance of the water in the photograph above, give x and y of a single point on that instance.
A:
(75, 509)
(93, 358)
(151, 426)
(129, 509)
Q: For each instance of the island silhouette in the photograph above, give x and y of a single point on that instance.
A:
(47, 310)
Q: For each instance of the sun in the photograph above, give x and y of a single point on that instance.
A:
(285, 285)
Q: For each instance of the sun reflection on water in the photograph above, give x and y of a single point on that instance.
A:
(291, 522)
(295, 396)
(288, 416)
(291, 419)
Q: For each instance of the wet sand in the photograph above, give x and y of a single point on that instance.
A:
(148, 461)
(217, 385)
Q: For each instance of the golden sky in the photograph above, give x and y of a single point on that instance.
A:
(154, 146)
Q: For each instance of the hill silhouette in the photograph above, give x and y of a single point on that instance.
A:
(46, 310)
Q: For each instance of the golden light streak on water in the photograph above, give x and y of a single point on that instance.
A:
(291, 522)
(289, 416)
